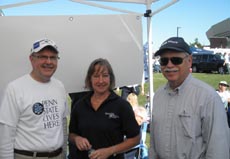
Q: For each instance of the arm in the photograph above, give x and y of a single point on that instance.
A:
(127, 144)
(142, 88)
(81, 142)
(152, 152)
(143, 84)
(7, 141)
(9, 117)
(64, 147)
(215, 130)
(65, 124)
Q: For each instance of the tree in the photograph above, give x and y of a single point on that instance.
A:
(196, 44)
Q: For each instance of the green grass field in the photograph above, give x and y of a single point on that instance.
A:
(158, 80)
(211, 79)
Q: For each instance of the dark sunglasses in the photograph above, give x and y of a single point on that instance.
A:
(223, 85)
(175, 60)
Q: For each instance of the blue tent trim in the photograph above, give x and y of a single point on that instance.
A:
(200, 51)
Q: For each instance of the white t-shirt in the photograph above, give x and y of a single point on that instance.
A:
(224, 97)
(36, 110)
(226, 58)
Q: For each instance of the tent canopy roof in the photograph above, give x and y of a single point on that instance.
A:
(200, 51)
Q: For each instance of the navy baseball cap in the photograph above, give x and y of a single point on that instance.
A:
(174, 43)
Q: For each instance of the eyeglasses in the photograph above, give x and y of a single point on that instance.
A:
(175, 60)
(44, 58)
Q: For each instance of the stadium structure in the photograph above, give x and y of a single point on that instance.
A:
(219, 34)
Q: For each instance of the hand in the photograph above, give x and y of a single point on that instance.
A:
(142, 92)
(102, 153)
(82, 143)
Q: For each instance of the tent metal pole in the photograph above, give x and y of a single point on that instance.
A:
(164, 7)
(149, 36)
(104, 6)
(22, 4)
(1, 13)
(149, 15)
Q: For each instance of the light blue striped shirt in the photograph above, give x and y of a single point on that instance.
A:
(189, 123)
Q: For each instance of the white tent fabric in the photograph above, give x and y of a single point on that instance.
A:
(80, 40)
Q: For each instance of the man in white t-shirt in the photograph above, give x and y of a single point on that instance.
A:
(223, 92)
(34, 109)
(227, 62)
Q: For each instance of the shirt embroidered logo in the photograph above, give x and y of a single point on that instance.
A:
(111, 115)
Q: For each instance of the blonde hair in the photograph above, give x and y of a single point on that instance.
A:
(132, 99)
(140, 114)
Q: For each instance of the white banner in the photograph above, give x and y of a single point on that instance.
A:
(80, 40)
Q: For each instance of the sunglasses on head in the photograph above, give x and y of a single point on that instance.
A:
(175, 60)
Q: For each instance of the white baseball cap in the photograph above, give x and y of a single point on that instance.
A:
(40, 44)
(224, 83)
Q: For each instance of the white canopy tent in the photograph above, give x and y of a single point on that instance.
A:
(148, 14)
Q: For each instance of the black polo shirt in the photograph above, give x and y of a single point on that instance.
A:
(105, 127)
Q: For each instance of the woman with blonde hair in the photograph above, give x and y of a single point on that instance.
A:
(132, 99)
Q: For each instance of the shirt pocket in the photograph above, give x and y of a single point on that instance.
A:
(186, 123)
(190, 124)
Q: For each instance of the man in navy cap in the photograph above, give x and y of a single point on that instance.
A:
(188, 119)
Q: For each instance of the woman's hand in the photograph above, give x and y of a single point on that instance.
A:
(102, 153)
(82, 143)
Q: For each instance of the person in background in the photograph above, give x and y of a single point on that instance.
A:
(224, 94)
(139, 111)
(133, 100)
(126, 90)
(227, 62)
(140, 114)
(102, 124)
(34, 109)
(140, 151)
(156, 65)
(147, 105)
(188, 117)
(225, 97)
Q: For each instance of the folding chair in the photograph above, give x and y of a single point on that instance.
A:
(140, 151)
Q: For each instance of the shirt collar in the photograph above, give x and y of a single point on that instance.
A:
(178, 90)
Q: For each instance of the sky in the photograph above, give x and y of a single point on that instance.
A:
(189, 19)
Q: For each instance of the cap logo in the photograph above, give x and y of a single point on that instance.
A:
(174, 43)
(36, 45)
(170, 41)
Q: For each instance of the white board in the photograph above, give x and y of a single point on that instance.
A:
(80, 40)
